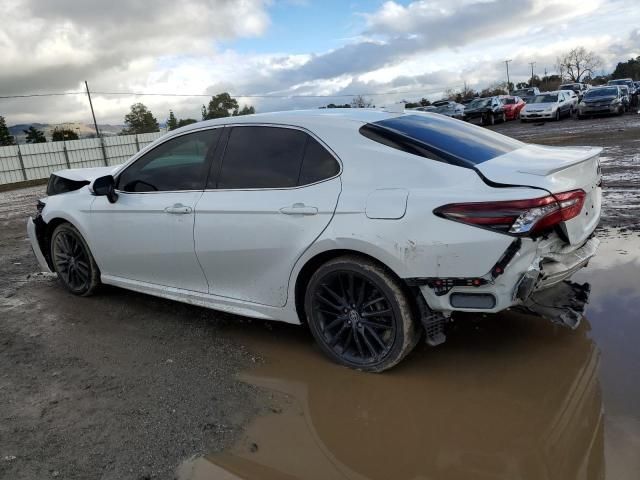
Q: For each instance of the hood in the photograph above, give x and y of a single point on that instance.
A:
(86, 174)
(540, 106)
(608, 98)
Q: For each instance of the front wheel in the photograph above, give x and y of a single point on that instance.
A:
(73, 262)
(359, 314)
(558, 115)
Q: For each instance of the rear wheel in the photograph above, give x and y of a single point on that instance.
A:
(359, 314)
(73, 262)
(557, 115)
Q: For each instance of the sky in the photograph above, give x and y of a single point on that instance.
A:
(387, 50)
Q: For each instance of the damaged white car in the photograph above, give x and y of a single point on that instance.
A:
(369, 226)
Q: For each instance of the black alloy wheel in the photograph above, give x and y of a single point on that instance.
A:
(359, 315)
(72, 260)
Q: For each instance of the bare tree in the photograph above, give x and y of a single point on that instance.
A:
(361, 102)
(577, 63)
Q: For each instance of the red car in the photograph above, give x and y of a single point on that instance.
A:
(512, 106)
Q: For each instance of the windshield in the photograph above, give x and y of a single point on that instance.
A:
(441, 137)
(545, 99)
(618, 82)
(508, 101)
(480, 102)
(602, 92)
(442, 109)
(523, 92)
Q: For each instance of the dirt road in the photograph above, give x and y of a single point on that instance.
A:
(125, 386)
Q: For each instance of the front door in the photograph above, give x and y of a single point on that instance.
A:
(275, 192)
(147, 234)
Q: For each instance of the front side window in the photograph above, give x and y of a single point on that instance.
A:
(177, 164)
(273, 157)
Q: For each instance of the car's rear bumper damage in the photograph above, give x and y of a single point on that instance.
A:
(532, 277)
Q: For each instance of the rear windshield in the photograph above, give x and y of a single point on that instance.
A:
(440, 138)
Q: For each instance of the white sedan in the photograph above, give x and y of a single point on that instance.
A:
(371, 227)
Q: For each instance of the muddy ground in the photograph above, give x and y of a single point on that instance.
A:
(122, 385)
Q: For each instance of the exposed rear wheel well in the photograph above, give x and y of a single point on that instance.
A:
(314, 263)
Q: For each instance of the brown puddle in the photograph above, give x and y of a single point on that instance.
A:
(507, 397)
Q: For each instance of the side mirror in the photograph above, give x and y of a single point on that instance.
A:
(105, 186)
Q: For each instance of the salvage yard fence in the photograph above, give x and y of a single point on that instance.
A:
(34, 161)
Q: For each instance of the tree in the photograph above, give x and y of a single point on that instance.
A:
(61, 134)
(186, 121)
(5, 136)
(34, 135)
(140, 120)
(333, 105)
(246, 110)
(361, 102)
(224, 105)
(577, 63)
(172, 122)
(628, 69)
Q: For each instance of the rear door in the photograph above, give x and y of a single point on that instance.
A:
(147, 234)
(270, 195)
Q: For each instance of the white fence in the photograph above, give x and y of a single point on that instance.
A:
(34, 161)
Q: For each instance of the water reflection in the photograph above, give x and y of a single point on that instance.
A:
(510, 397)
(507, 397)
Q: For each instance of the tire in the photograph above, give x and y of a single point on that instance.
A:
(504, 118)
(557, 118)
(349, 325)
(73, 262)
(492, 119)
(522, 120)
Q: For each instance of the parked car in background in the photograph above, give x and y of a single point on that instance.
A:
(449, 108)
(485, 111)
(512, 106)
(626, 97)
(428, 108)
(548, 106)
(526, 94)
(573, 98)
(578, 88)
(270, 216)
(601, 101)
(624, 81)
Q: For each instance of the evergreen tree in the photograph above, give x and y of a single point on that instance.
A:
(34, 135)
(140, 120)
(172, 122)
(5, 136)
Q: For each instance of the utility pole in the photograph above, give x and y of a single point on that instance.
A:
(93, 114)
(506, 62)
(532, 65)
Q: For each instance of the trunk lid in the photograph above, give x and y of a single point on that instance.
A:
(555, 170)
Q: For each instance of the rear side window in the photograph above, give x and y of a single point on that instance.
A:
(262, 157)
(318, 163)
(274, 157)
(440, 138)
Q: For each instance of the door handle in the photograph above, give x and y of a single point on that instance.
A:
(178, 208)
(299, 209)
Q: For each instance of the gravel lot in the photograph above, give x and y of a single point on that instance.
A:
(122, 385)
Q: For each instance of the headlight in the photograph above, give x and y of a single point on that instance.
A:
(615, 100)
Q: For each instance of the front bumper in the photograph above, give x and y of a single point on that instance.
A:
(598, 110)
(537, 115)
(535, 267)
(35, 246)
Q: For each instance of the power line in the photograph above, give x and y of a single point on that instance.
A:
(369, 94)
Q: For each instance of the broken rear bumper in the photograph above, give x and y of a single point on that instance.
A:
(35, 245)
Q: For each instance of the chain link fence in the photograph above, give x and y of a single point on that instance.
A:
(20, 163)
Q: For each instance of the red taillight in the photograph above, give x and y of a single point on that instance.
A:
(518, 217)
